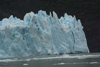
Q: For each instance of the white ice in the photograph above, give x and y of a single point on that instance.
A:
(41, 34)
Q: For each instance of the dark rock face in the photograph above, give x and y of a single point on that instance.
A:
(86, 10)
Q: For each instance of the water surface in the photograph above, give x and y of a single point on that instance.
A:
(70, 60)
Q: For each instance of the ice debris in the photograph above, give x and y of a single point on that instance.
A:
(41, 34)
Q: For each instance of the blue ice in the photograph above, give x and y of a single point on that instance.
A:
(41, 34)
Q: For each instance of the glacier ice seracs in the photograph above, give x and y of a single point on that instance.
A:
(41, 34)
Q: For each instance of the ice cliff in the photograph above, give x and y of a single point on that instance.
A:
(41, 34)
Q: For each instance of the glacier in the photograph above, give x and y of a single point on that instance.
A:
(41, 34)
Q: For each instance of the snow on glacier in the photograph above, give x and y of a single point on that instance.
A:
(41, 34)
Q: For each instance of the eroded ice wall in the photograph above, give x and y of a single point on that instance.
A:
(41, 34)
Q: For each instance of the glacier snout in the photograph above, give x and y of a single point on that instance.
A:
(41, 34)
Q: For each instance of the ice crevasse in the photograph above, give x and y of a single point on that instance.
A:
(41, 34)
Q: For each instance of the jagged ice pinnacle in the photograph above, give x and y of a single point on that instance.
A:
(41, 34)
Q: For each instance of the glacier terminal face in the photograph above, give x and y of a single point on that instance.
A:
(41, 34)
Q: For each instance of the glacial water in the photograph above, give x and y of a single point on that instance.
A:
(69, 60)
